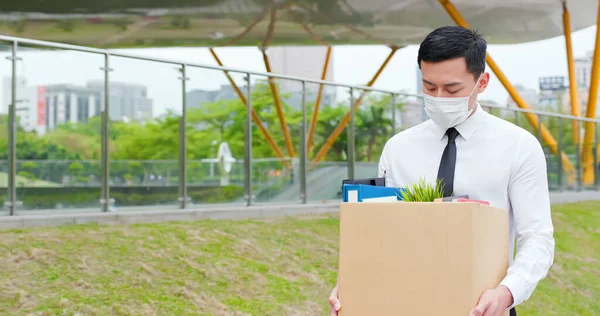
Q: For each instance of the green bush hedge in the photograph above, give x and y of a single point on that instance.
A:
(81, 197)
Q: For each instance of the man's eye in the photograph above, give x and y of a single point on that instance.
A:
(431, 89)
(453, 92)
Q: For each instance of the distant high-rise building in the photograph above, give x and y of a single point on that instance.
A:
(127, 101)
(412, 113)
(529, 95)
(419, 81)
(304, 62)
(62, 103)
(43, 108)
(29, 100)
(197, 97)
(583, 70)
(421, 107)
(583, 73)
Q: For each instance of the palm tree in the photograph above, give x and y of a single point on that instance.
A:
(329, 118)
(374, 125)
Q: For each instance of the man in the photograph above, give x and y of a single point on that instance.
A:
(477, 154)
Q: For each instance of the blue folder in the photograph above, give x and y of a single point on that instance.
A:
(369, 192)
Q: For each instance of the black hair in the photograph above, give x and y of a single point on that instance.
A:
(450, 42)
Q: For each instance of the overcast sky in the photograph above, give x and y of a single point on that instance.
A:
(522, 64)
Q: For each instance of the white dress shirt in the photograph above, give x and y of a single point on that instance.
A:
(496, 161)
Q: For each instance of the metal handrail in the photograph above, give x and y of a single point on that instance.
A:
(265, 74)
(189, 64)
(106, 200)
(540, 113)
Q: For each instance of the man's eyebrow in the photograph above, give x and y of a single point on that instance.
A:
(450, 84)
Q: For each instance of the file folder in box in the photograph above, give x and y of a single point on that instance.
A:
(369, 193)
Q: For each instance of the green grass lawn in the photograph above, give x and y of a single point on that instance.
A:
(283, 266)
(22, 181)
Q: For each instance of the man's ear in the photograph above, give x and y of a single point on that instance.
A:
(483, 83)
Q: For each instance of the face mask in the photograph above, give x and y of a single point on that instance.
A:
(448, 112)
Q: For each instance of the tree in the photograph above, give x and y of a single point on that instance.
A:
(329, 118)
(76, 173)
(158, 140)
(152, 147)
(374, 125)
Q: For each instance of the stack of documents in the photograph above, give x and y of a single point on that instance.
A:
(370, 193)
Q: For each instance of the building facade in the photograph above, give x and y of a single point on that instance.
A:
(195, 98)
(43, 108)
(304, 62)
(63, 103)
(529, 95)
(583, 70)
(128, 102)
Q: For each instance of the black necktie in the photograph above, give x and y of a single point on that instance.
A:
(448, 162)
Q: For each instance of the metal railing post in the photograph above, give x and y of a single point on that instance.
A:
(350, 146)
(559, 158)
(11, 202)
(303, 147)
(248, 144)
(578, 161)
(105, 200)
(183, 196)
(393, 114)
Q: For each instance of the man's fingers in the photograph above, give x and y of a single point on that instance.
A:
(337, 306)
(476, 312)
(332, 312)
(480, 309)
(334, 292)
(334, 302)
(334, 306)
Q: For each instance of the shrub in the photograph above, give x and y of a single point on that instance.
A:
(422, 191)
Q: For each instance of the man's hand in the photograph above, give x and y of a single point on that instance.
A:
(493, 302)
(334, 302)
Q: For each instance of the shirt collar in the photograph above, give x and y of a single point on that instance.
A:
(468, 127)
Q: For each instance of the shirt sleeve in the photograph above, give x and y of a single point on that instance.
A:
(530, 201)
(384, 170)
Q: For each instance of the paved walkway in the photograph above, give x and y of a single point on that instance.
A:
(145, 215)
(571, 197)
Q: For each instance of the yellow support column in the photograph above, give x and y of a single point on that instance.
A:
(255, 116)
(241, 96)
(571, 64)
(533, 119)
(315, 115)
(273, 87)
(247, 30)
(279, 108)
(340, 128)
(588, 138)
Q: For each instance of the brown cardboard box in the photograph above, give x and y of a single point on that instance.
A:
(419, 258)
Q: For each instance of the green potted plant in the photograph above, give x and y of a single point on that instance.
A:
(422, 191)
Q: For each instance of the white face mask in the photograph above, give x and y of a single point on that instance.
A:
(448, 112)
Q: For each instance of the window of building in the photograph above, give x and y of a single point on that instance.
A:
(67, 108)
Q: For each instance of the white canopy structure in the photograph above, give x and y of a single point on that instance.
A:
(217, 22)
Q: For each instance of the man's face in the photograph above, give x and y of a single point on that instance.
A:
(450, 79)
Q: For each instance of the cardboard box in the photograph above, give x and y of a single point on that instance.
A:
(402, 258)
